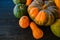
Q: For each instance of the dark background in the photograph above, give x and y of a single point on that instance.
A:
(9, 28)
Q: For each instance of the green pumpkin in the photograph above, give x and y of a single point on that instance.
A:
(48, 7)
(19, 10)
(55, 28)
(19, 1)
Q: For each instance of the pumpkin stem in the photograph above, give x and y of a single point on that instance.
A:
(41, 4)
(20, 7)
(44, 7)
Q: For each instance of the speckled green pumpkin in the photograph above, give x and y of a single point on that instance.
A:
(19, 1)
(19, 10)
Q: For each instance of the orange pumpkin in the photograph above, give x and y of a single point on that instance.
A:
(24, 22)
(57, 2)
(37, 32)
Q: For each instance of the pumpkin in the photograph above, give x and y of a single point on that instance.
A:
(37, 32)
(43, 13)
(27, 2)
(19, 1)
(55, 28)
(57, 2)
(19, 10)
(24, 22)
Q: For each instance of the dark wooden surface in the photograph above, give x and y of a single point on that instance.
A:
(9, 28)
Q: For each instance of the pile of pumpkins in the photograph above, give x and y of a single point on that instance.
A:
(41, 12)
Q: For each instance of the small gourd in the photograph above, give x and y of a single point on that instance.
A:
(37, 32)
(24, 22)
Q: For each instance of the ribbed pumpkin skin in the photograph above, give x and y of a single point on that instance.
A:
(33, 12)
(19, 10)
(57, 3)
(50, 18)
(19, 1)
(49, 10)
(34, 4)
(41, 18)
